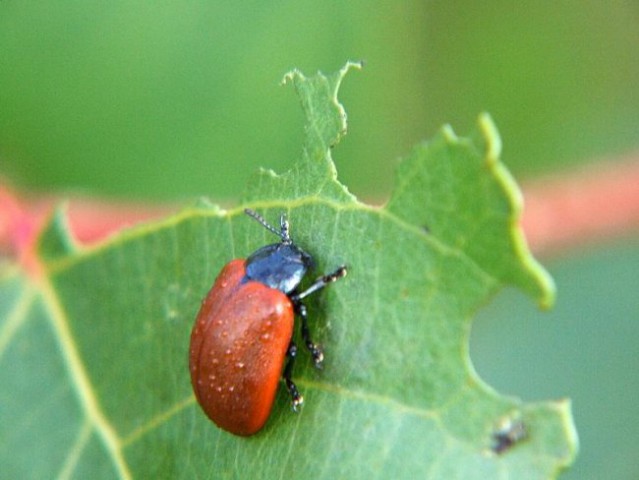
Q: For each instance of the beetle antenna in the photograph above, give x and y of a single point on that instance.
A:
(283, 233)
(284, 229)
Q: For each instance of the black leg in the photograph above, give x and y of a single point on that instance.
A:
(296, 398)
(316, 351)
(300, 309)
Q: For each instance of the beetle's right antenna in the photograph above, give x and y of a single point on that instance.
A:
(283, 233)
(284, 229)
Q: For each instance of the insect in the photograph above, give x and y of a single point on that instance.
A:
(508, 433)
(242, 337)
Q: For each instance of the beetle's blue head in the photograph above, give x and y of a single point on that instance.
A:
(281, 266)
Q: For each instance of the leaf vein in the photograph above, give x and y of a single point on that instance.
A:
(81, 381)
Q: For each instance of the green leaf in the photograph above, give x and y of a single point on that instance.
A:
(95, 376)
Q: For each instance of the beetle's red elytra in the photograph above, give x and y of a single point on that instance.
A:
(243, 333)
(238, 347)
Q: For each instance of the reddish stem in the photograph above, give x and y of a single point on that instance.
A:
(562, 211)
(596, 203)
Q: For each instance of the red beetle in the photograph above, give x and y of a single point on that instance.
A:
(243, 333)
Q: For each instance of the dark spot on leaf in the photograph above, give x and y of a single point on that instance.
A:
(509, 433)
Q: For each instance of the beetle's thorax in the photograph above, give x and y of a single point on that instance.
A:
(280, 266)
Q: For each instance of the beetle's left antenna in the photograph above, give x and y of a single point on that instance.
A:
(283, 233)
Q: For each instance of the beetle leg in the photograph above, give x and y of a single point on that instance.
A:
(296, 398)
(320, 283)
(316, 351)
(300, 309)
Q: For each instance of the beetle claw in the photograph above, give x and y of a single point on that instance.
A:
(318, 358)
(297, 403)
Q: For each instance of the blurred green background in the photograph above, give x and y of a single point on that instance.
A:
(169, 100)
